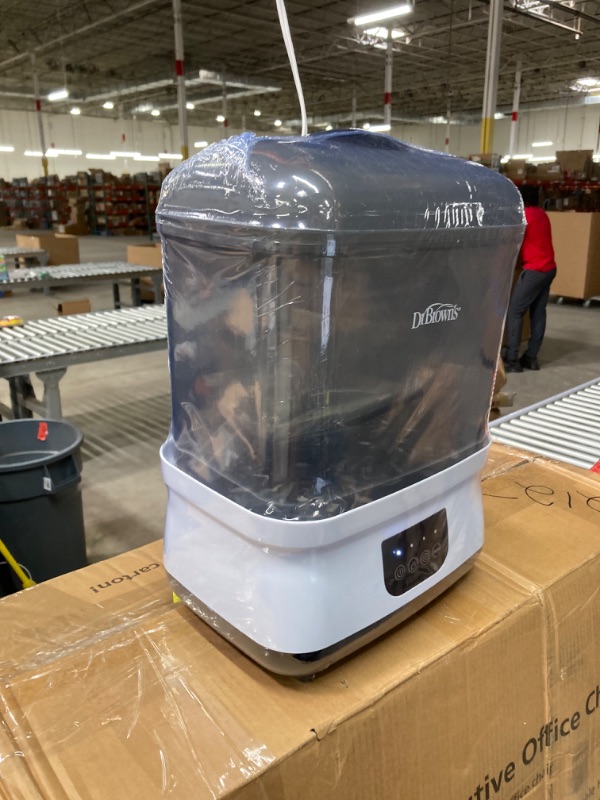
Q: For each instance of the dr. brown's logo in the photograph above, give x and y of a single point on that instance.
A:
(436, 312)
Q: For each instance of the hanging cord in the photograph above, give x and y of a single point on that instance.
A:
(289, 46)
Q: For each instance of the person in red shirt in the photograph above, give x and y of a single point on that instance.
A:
(532, 288)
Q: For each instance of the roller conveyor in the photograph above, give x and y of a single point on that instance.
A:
(72, 274)
(48, 347)
(565, 427)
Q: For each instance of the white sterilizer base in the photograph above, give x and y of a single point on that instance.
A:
(297, 596)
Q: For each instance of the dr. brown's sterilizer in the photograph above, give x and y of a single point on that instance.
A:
(335, 306)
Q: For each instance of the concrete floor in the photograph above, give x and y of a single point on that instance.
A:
(122, 406)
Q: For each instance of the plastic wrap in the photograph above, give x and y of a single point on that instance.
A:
(335, 305)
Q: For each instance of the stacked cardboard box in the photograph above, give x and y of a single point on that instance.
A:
(576, 240)
(62, 248)
(492, 692)
(148, 255)
(575, 163)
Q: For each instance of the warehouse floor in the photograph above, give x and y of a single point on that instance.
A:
(122, 406)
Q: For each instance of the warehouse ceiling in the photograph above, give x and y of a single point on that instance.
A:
(123, 51)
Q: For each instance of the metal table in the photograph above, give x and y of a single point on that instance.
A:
(48, 347)
(71, 274)
(565, 427)
(23, 254)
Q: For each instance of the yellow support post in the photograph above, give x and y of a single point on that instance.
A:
(487, 134)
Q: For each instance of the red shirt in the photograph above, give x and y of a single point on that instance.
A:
(537, 252)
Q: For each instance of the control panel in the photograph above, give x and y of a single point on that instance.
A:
(414, 554)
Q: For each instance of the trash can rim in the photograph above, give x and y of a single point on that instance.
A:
(42, 458)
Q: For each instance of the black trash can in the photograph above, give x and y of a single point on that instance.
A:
(41, 512)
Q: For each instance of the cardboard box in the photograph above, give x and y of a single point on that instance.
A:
(148, 255)
(493, 691)
(576, 240)
(74, 307)
(575, 163)
(62, 248)
(490, 160)
(517, 169)
(548, 172)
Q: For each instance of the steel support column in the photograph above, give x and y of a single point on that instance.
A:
(180, 73)
(514, 124)
(491, 75)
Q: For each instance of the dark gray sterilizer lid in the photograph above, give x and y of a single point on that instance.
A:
(342, 181)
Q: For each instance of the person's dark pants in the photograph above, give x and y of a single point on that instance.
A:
(531, 292)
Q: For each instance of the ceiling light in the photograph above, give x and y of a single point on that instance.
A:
(100, 156)
(200, 144)
(220, 118)
(58, 94)
(377, 16)
(329, 127)
(146, 158)
(379, 128)
(278, 123)
(499, 115)
(76, 111)
(38, 153)
(522, 156)
(588, 82)
(382, 33)
(56, 151)
(542, 159)
(542, 144)
(6, 148)
(257, 112)
(155, 112)
(366, 126)
(109, 105)
(190, 106)
(124, 153)
(170, 155)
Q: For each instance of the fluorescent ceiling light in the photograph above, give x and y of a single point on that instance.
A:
(59, 94)
(57, 151)
(146, 158)
(6, 148)
(257, 112)
(382, 33)
(329, 127)
(542, 144)
(379, 128)
(170, 155)
(522, 156)
(38, 153)
(588, 81)
(596, 158)
(100, 156)
(124, 153)
(76, 111)
(108, 105)
(498, 115)
(542, 159)
(155, 112)
(505, 159)
(278, 123)
(438, 120)
(190, 106)
(220, 118)
(200, 144)
(377, 16)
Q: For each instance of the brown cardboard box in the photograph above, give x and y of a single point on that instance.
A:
(548, 172)
(62, 248)
(148, 255)
(74, 307)
(490, 160)
(492, 692)
(575, 163)
(516, 169)
(576, 240)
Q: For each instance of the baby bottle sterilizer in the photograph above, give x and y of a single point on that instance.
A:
(335, 305)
